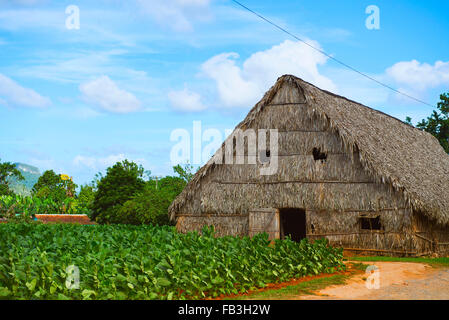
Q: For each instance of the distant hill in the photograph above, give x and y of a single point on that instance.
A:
(31, 175)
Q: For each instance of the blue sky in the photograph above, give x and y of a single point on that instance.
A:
(78, 100)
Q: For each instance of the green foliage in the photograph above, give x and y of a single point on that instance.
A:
(52, 187)
(148, 262)
(20, 206)
(13, 206)
(123, 197)
(147, 207)
(86, 199)
(186, 172)
(151, 205)
(438, 123)
(121, 183)
(54, 194)
(408, 121)
(8, 171)
(49, 179)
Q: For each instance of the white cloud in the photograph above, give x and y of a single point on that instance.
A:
(288, 57)
(419, 76)
(233, 88)
(103, 162)
(243, 86)
(186, 100)
(13, 94)
(105, 94)
(176, 14)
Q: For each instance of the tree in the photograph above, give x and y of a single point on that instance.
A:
(438, 123)
(7, 171)
(151, 205)
(408, 121)
(50, 185)
(184, 172)
(120, 184)
(86, 198)
(48, 179)
(96, 180)
(147, 207)
(68, 185)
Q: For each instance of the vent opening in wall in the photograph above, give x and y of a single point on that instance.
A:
(265, 156)
(370, 223)
(318, 155)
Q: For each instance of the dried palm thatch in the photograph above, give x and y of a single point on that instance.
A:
(409, 162)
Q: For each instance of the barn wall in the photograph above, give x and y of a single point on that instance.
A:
(235, 225)
(343, 229)
(431, 237)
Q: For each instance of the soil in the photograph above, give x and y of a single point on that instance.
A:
(273, 286)
(397, 281)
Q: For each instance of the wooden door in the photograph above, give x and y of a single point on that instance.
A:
(264, 220)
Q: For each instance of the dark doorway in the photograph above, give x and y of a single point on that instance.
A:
(293, 223)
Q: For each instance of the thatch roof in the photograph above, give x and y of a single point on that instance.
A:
(393, 152)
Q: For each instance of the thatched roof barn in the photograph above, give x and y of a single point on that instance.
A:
(357, 176)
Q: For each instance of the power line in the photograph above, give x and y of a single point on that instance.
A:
(331, 57)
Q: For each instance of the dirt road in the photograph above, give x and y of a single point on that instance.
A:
(397, 281)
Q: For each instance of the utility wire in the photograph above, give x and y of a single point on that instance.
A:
(331, 57)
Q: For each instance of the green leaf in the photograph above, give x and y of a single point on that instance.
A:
(87, 293)
(31, 285)
(164, 282)
(217, 280)
(4, 292)
(53, 289)
(63, 297)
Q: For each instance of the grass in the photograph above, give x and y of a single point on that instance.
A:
(435, 262)
(303, 288)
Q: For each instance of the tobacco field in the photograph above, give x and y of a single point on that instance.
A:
(148, 262)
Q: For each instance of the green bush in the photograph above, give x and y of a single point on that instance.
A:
(121, 183)
(85, 200)
(151, 205)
